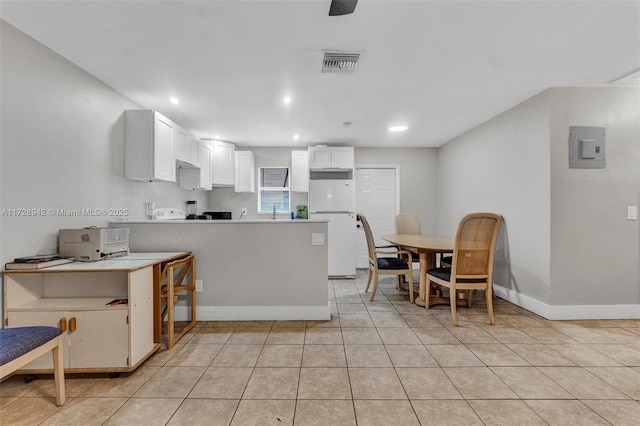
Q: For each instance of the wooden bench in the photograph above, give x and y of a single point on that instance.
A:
(21, 345)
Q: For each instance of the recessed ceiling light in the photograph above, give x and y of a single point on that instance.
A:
(287, 100)
(398, 128)
(296, 137)
(174, 100)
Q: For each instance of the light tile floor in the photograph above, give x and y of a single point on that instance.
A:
(387, 362)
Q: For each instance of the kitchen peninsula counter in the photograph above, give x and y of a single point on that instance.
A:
(251, 269)
(219, 221)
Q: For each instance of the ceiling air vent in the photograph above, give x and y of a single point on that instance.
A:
(340, 62)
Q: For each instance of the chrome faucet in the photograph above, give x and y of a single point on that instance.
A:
(273, 215)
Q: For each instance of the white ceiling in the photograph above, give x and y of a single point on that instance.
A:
(440, 67)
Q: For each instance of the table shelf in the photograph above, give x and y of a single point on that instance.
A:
(75, 296)
(68, 304)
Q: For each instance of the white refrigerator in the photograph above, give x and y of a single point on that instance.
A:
(335, 200)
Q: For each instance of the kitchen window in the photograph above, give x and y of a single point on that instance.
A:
(273, 189)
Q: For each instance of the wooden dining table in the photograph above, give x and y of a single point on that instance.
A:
(426, 246)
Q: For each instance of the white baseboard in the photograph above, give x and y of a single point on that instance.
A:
(568, 312)
(255, 313)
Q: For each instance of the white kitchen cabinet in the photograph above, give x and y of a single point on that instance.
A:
(206, 164)
(180, 143)
(300, 171)
(245, 175)
(223, 163)
(319, 157)
(75, 297)
(149, 146)
(342, 157)
(193, 151)
(187, 148)
(198, 177)
(331, 157)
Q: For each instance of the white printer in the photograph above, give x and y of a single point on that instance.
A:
(91, 244)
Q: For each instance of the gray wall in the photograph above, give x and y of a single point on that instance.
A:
(418, 180)
(62, 148)
(232, 257)
(565, 239)
(226, 199)
(502, 166)
(595, 250)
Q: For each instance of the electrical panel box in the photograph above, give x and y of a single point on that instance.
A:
(587, 147)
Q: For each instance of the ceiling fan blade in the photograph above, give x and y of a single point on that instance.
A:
(342, 7)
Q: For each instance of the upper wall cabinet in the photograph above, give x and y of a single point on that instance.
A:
(300, 171)
(223, 163)
(331, 157)
(245, 175)
(198, 177)
(187, 148)
(180, 144)
(149, 146)
(319, 157)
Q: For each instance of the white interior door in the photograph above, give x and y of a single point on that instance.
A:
(377, 199)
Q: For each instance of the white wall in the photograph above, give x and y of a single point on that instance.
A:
(595, 250)
(502, 166)
(62, 148)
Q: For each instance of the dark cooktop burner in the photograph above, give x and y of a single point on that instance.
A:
(198, 217)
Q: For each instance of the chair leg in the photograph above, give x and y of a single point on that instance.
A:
(469, 297)
(410, 275)
(427, 294)
(489, 297)
(401, 278)
(368, 281)
(375, 285)
(58, 372)
(453, 296)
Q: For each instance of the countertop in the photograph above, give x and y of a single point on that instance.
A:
(218, 222)
(131, 262)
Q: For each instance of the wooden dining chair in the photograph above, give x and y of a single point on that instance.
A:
(393, 264)
(408, 223)
(472, 262)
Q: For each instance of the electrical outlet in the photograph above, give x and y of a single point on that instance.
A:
(198, 286)
(632, 212)
(317, 239)
(244, 210)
